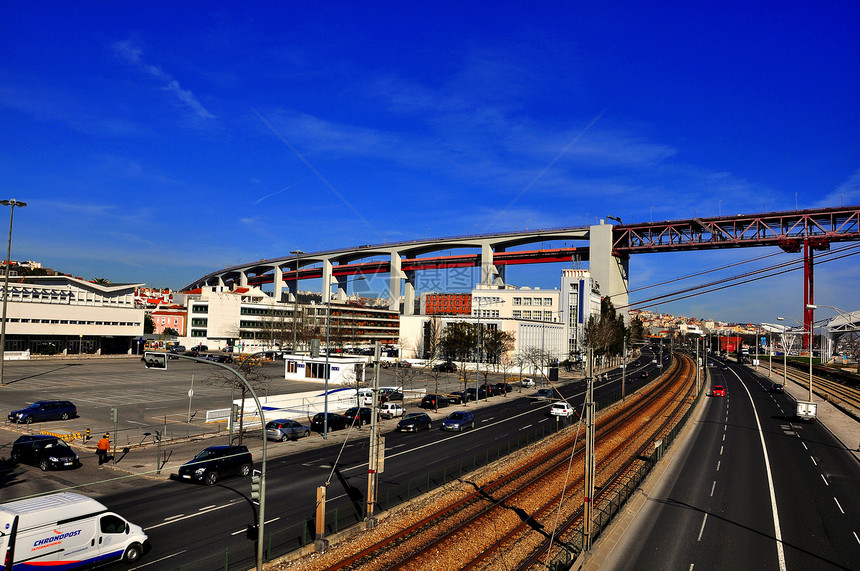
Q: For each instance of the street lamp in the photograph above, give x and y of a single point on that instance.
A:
(785, 371)
(328, 351)
(478, 303)
(12, 203)
(296, 253)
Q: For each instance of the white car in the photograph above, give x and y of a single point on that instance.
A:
(527, 382)
(561, 408)
(390, 410)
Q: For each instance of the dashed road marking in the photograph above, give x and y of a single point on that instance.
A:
(714, 485)
(826, 483)
(838, 505)
(702, 529)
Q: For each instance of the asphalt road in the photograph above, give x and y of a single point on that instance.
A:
(754, 489)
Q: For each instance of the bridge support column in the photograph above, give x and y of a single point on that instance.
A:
(220, 281)
(341, 287)
(278, 284)
(409, 293)
(243, 279)
(488, 269)
(394, 282)
(326, 280)
(611, 272)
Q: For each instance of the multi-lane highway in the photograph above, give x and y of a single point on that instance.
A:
(752, 488)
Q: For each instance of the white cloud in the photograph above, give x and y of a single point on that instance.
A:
(133, 54)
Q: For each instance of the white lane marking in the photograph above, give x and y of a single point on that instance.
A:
(148, 563)
(813, 460)
(804, 446)
(168, 518)
(838, 505)
(691, 567)
(777, 533)
(702, 529)
(190, 516)
(721, 450)
(724, 437)
(825, 480)
(725, 428)
(207, 507)
(855, 536)
(714, 485)
(526, 426)
(718, 465)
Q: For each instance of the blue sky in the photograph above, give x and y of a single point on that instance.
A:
(157, 143)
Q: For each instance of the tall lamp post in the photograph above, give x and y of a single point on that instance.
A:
(11, 203)
(785, 371)
(297, 254)
(327, 352)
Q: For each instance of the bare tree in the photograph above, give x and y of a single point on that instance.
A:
(434, 351)
(253, 372)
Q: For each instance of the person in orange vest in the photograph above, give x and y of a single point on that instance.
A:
(102, 448)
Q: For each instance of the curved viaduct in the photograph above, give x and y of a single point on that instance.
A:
(607, 248)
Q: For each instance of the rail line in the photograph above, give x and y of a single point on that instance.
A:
(515, 510)
(847, 398)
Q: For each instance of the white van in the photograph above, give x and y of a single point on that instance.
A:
(65, 529)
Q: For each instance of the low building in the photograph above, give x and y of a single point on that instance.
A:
(61, 314)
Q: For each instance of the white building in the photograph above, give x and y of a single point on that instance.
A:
(580, 299)
(62, 314)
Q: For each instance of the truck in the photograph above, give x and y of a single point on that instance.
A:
(806, 410)
(66, 530)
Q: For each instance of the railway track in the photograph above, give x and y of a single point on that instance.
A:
(512, 516)
(847, 398)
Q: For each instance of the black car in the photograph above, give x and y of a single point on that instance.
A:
(489, 389)
(44, 410)
(414, 421)
(46, 452)
(335, 421)
(776, 388)
(215, 462)
(458, 397)
(434, 401)
(358, 415)
(446, 367)
(502, 388)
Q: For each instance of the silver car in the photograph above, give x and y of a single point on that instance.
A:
(284, 430)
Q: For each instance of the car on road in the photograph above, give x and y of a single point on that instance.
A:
(44, 410)
(458, 397)
(213, 463)
(390, 410)
(284, 429)
(459, 421)
(543, 394)
(502, 388)
(643, 375)
(724, 367)
(561, 408)
(358, 416)
(335, 421)
(527, 382)
(776, 388)
(446, 367)
(45, 451)
(414, 421)
(220, 358)
(434, 401)
(719, 391)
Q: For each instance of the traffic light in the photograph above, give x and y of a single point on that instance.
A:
(255, 486)
(154, 360)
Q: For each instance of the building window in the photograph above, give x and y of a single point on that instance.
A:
(547, 301)
(518, 314)
(527, 301)
(518, 301)
(527, 315)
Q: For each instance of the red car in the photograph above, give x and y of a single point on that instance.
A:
(719, 391)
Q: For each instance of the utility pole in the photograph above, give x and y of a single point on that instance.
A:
(624, 368)
(590, 466)
(698, 365)
(374, 465)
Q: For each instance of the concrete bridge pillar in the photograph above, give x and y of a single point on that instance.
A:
(220, 281)
(326, 280)
(490, 274)
(409, 293)
(243, 279)
(278, 283)
(341, 293)
(394, 282)
(611, 273)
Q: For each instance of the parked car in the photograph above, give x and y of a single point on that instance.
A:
(335, 421)
(434, 401)
(561, 408)
(220, 358)
(777, 388)
(719, 391)
(482, 393)
(390, 410)
(527, 382)
(414, 421)
(459, 397)
(488, 389)
(543, 394)
(446, 367)
(358, 415)
(459, 421)
(44, 410)
(177, 349)
(284, 430)
(213, 463)
(45, 451)
(502, 388)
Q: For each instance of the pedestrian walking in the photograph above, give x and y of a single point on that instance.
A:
(102, 448)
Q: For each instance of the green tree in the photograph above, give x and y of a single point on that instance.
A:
(605, 333)
(148, 324)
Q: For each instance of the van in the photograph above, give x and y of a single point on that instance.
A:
(66, 530)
